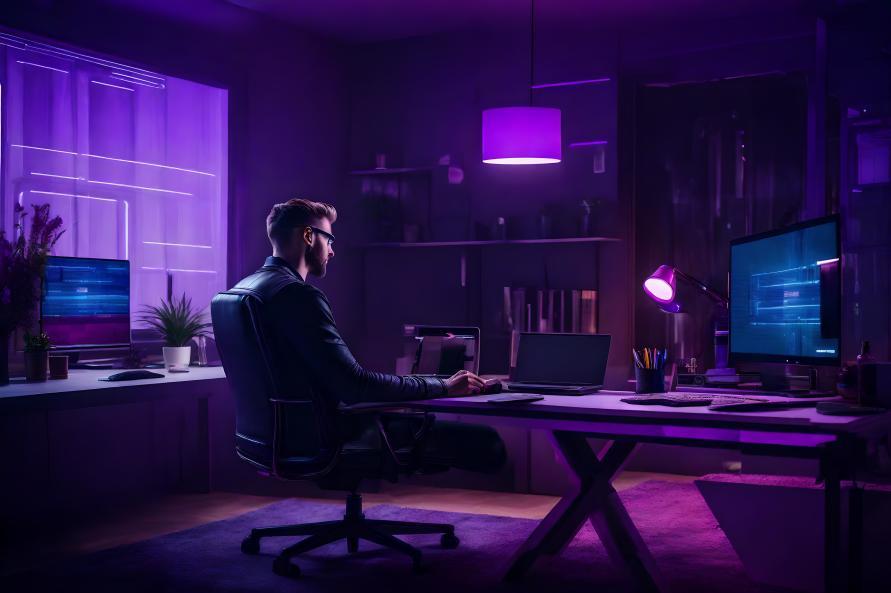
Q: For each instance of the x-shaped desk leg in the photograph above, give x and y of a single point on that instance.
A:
(596, 500)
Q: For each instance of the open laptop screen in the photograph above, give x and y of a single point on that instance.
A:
(567, 359)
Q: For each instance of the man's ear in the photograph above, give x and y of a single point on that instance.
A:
(306, 235)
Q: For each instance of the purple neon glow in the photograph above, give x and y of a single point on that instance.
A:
(41, 66)
(549, 85)
(661, 284)
(588, 143)
(177, 244)
(67, 195)
(522, 136)
(110, 158)
(114, 86)
(154, 269)
(105, 180)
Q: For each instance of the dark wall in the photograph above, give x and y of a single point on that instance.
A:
(419, 101)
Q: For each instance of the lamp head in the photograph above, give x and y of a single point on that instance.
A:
(661, 286)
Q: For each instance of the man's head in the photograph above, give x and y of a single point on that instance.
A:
(300, 231)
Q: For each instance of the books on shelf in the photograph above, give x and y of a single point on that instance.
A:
(549, 310)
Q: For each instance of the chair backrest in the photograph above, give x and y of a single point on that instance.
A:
(302, 439)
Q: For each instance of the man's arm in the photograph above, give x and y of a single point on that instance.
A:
(313, 335)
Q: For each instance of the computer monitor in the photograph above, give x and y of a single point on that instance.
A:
(785, 295)
(85, 303)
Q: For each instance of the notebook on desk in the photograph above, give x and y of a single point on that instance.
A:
(560, 364)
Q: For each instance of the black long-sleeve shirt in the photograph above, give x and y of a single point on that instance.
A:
(308, 347)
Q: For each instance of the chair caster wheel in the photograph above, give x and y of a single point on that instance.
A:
(250, 545)
(283, 567)
(449, 541)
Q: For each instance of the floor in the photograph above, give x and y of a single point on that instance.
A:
(179, 512)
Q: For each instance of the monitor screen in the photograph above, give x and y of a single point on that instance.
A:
(785, 295)
(86, 302)
(571, 359)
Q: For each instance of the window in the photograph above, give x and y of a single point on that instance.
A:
(133, 161)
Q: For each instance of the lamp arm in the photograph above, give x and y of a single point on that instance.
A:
(712, 294)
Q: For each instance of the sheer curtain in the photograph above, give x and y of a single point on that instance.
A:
(134, 162)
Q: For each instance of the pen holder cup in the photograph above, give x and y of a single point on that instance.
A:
(649, 380)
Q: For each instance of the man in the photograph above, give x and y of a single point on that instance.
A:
(304, 339)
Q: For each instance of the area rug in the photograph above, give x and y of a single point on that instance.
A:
(683, 536)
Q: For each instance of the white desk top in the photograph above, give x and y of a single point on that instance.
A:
(86, 382)
(606, 406)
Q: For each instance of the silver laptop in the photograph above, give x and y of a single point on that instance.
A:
(560, 364)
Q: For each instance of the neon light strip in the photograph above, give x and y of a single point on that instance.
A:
(42, 66)
(57, 176)
(29, 45)
(550, 85)
(126, 229)
(108, 158)
(45, 149)
(167, 191)
(150, 85)
(55, 193)
(137, 80)
(178, 270)
(588, 143)
(127, 185)
(114, 86)
(827, 261)
(176, 244)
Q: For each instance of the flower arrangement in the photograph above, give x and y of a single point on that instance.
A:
(22, 261)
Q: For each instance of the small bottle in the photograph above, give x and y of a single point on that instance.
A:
(865, 375)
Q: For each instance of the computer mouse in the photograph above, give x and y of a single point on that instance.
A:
(133, 375)
(491, 386)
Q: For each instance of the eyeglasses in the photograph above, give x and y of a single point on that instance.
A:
(325, 234)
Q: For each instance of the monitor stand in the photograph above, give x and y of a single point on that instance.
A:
(777, 380)
(74, 362)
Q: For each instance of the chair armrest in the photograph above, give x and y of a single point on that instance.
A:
(375, 408)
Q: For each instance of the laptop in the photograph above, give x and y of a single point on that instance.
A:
(560, 364)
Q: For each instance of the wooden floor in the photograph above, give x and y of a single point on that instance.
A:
(178, 512)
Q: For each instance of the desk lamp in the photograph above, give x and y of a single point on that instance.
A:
(662, 287)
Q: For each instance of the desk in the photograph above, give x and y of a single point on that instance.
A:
(836, 441)
(44, 426)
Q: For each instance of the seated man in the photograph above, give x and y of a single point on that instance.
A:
(305, 339)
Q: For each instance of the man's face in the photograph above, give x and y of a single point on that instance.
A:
(319, 252)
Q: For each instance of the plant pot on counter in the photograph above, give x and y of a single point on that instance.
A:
(177, 357)
(36, 364)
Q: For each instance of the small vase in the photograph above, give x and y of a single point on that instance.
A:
(36, 364)
(177, 357)
(4, 358)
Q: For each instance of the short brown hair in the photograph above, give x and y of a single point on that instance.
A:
(295, 213)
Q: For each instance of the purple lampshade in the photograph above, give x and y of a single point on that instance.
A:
(521, 136)
(661, 285)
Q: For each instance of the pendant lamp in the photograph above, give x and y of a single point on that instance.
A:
(523, 135)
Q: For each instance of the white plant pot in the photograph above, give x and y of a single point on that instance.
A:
(176, 357)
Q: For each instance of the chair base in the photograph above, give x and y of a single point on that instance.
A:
(353, 527)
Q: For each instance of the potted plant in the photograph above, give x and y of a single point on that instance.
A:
(177, 323)
(22, 261)
(37, 348)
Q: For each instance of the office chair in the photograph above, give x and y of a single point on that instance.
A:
(290, 432)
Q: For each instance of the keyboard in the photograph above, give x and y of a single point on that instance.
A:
(678, 400)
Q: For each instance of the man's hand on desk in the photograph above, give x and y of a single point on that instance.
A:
(463, 383)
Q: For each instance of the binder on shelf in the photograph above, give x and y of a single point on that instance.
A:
(549, 310)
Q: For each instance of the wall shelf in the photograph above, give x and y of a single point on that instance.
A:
(394, 171)
(564, 241)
